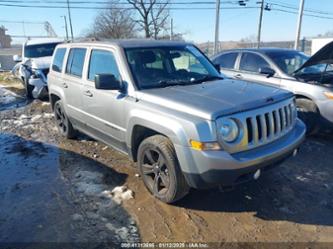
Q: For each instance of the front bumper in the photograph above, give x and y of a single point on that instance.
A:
(326, 112)
(40, 88)
(204, 169)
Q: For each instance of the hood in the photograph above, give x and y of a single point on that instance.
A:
(323, 56)
(213, 99)
(39, 63)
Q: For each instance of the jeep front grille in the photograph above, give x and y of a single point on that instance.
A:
(263, 125)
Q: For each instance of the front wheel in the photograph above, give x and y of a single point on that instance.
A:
(309, 114)
(63, 123)
(28, 89)
(160, 171)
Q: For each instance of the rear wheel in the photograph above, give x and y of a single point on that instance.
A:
(309, 114)
(63, 123)
(160, 171)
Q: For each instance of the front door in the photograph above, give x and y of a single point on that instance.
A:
(104, 109)
(249, 66)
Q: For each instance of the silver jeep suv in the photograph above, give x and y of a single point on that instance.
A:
(166, 106)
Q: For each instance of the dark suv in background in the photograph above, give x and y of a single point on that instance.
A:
(309, 78)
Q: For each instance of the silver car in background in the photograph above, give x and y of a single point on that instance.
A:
(310, 79)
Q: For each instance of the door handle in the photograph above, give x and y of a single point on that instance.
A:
(238, 76)
(88, 93)
(64, 85)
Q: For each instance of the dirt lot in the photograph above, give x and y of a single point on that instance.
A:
(52, 189)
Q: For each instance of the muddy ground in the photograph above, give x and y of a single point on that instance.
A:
(52, 189)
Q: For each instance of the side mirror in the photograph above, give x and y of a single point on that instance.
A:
(269, 72)
(107, 82)
(217, 67)
(17, 58)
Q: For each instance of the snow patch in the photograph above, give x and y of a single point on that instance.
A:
(23, 121)
(7, 96)
(118, 194)
(48, 115)
(92, 184)
(36, 117)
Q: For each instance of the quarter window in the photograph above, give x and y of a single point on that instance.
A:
(251, 62)
(75, 61)
(58, 59)
(102, 62)
(227, 60)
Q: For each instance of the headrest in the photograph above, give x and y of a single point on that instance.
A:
(146, 57)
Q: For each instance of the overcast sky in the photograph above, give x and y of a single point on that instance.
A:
(198, 25)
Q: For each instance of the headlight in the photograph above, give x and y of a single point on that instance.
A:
(36, 73)
(229, 130)
(328, 95)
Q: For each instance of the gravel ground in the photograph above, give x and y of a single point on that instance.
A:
(61, 190)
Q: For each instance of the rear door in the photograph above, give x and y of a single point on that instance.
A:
(104, 109)
(249, 66)
(55, 77)
(72, 83)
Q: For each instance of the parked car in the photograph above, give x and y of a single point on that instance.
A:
(33, 65)
(184, 128)
(310, 79)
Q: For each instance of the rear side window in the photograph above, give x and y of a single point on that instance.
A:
(75, 61)
(252, 62)
(227, 60)
(102, 62)
(58, 59)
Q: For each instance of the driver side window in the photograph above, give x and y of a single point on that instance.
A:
(251, 62)
(102, 62)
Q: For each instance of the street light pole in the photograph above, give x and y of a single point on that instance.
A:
(217, 24)
(66, 27)
(299, 24)
(260, 22)
(70, 20)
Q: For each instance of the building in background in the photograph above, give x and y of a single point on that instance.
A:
(5, 40)
(318, 43)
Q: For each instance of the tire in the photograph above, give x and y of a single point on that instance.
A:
(28, 89)
(308, 112)
(64, 125)
(158, 165)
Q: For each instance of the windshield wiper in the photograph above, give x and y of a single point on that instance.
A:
(166, 83)
(207, 78)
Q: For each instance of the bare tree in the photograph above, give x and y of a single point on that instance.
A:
(114, 22)
(152, 16)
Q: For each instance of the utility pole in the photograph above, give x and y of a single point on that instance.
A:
(299, 23)
(23, 26)
(217, 26)
(70, 20)
(65, 20)
(260, 22)
(171, 29)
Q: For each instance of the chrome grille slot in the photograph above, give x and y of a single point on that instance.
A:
(277, 124)
(263, 125)
(249, 130)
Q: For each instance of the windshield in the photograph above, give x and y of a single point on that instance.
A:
(317, 69)
(39, 50)
(165, 66)
(288, 61)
